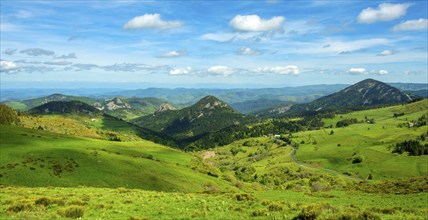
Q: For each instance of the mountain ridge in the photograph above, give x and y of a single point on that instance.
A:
(364, 94)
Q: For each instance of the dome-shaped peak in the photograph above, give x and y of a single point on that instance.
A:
(211, 102)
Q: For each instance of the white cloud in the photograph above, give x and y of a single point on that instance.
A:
(412, 25)
(220, 70)
(172, 54)
(255, 23)
(247, 51)
(37, 52)
(152, 21)
(357, 71)
(384, 12)
(385, 53)
(180, 71)
(68, 56)
(289, 69)
(383, 72)
(7, 65)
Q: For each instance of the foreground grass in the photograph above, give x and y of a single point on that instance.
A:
(121, 203)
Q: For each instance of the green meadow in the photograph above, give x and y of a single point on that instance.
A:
(335, 148)
(59, 173)
(37, 158)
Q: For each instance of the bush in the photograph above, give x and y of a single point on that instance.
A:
(346, 122)
(244, 197)
(72, 212)
(312, 211)
(317, 187)
(20, 207)
(44, 201)
(357, 159)
(259, 212)
(8, 115)
(211, 188)
(275, 207)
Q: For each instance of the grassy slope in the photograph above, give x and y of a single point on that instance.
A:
(368, 140)
(97, 126)
(98, 163)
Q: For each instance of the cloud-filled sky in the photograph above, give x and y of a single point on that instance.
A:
(175, 43)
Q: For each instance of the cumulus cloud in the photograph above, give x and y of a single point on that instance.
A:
(10, 52)
(250, 23)
(37, 52)
(385, 53)
(150, 21)
(383, 72)
(247, 51)
(357, 71)
(220, 70)
(68, 56)
(283, 70)
(8, 66)
(412, 25)
(384, 12)
(172, 54)
(180, 71)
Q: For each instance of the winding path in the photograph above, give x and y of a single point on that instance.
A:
(323, 169)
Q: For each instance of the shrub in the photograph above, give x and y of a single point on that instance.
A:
(357, 159)
(244, 197)
(275, 207)
(44, 201)
(317, 187)
(259, 212)
(8, 115)
(312, 211)
(72, 212)
(346, 122)
(211, 188)
(20, 206)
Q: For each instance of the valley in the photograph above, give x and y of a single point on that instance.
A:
(70, 159)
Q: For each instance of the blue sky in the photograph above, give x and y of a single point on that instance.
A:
(236, 43)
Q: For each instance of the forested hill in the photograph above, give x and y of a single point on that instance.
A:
(207, 115)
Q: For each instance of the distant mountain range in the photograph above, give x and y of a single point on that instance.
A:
(361, 95)
(121, 107)
(157, 119)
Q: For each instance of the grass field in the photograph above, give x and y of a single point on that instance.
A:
(38, 158)
(121, 203)
(335, 148)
